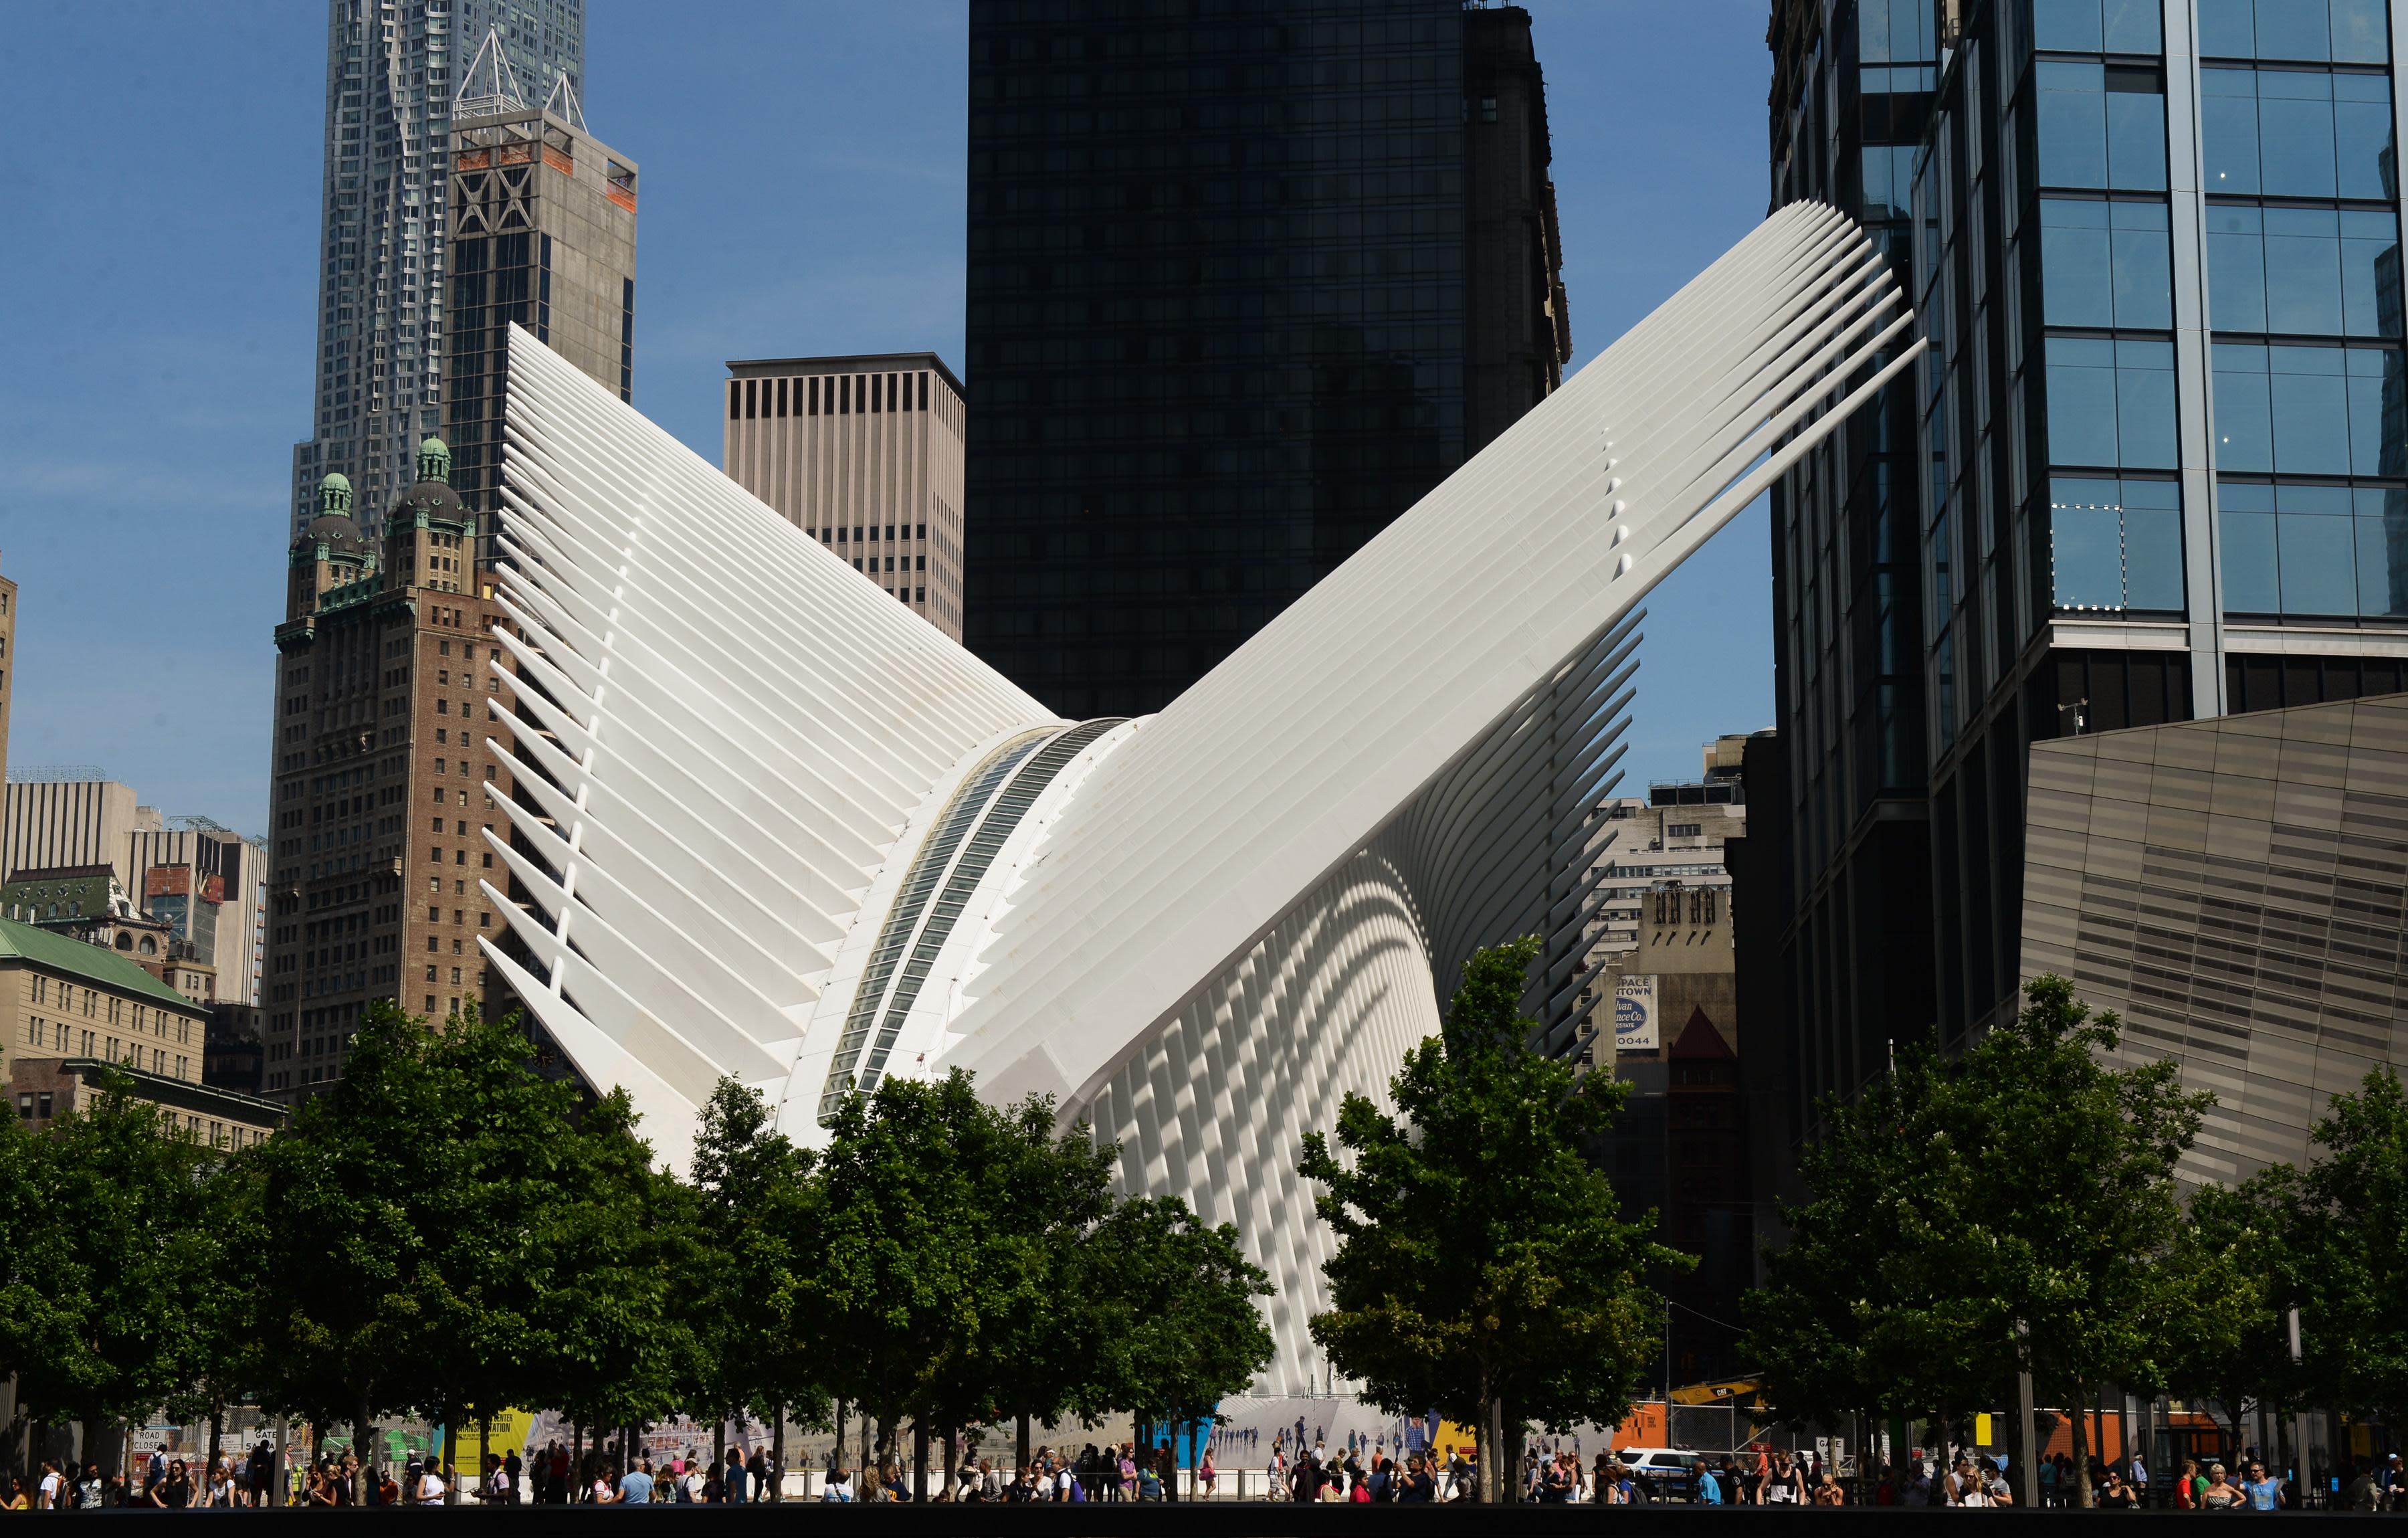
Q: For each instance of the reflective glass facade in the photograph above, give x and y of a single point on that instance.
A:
(2159, 442)
(1218, 315)
(1843, 915)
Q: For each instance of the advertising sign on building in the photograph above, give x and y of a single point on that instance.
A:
(1634, 1013)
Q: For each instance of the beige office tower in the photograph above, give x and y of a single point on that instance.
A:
(864, 455)
(71, 816)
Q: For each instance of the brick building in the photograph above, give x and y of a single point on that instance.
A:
(382, 790)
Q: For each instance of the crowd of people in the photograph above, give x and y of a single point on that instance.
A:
(549, 1476)
(1357, 1472)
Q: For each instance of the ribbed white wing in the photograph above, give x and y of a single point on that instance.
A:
(724, 730)
(1194, 840)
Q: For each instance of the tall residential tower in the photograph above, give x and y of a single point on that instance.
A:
(393, 70)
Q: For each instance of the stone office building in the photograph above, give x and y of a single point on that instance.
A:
(70, 1011)
(383, 793)
(864, 454)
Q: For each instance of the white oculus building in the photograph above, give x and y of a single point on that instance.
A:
(779, 826)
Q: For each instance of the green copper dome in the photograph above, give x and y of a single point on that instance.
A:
(334, 495)
(434, 461)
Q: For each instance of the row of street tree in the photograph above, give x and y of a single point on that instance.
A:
(449, 1233)
(2014, 1210)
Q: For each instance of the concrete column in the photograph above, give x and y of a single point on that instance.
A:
(2193, 397)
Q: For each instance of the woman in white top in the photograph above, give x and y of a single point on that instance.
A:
(603, 1492)
(430, 1486)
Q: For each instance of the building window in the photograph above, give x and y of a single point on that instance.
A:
(2101, 126)
(2106, 264)
(2289, 132)
(2303, 271)
(2314, 551)
(2084, 26)
(2111, 402)
(2115, 544)
(2350, 31)
(2302, 411)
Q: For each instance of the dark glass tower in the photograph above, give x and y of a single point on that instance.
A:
(1245, 281)
(1844, 923)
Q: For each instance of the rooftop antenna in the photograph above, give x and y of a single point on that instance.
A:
(489, 85)
(562, 104)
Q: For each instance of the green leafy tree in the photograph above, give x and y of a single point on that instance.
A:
(353, 1191)
(1861, 1309)
(1173, 1324)
(625, 1276)
(2347, 1232)
(2235, 1251)
(409, 1215)
(106, 1265)
(38, 1319)
(1033, 1357)
(2014, 1210)
(1481, 1267)
(221, 1357)
(908, 1279)
(757, 1215)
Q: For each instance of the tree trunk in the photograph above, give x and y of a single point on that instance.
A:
(275, 1464)
(837, 1450)
(217, 1434)
(450, 1456)
(1490, 1445)
(719, 1452)
(364, 1434)
(576, 1464)
(919, 1458)
(1022, 1446)
(777, 1456)
(953, 1462)
(862, 1473)
(2080, 1454)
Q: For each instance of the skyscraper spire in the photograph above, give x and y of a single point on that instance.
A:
(562, 104)
(488, 84)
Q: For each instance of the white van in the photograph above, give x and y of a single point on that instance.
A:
(1673, 1474)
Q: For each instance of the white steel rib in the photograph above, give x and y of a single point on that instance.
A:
(774, 825)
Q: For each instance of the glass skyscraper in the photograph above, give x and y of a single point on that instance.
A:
(2154, 467)
(393, 68)
(1245, 281)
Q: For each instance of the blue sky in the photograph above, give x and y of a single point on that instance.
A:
(803, 188)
